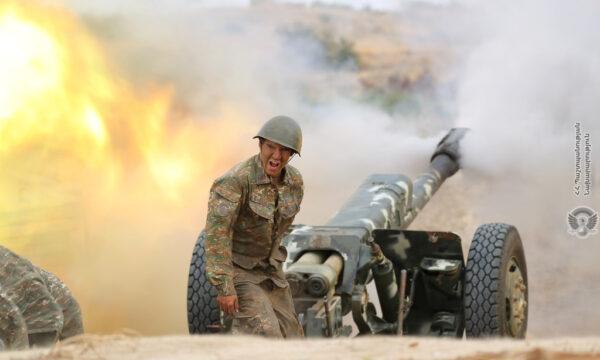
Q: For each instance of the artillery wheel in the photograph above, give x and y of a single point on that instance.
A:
(13, 329)
(202, 307)
(496, 288)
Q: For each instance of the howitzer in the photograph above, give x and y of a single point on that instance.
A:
(423, 284)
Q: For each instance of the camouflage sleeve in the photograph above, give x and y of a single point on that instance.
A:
(223, 209)
(300, 195)
(301, 190)
(299, 181)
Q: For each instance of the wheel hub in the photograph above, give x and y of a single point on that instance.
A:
(516, 294)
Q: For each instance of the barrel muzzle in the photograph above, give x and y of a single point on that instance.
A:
(446, 157)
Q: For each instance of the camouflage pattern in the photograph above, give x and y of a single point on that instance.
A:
(72, 320)
(368, 233)
(42, 301)
(13, 330)
(247, 217)
(265, 310)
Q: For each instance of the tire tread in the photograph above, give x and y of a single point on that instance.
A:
(482, 279)
(202, 307)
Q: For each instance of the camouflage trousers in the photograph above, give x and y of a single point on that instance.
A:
(266, 310)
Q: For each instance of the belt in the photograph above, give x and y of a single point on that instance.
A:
(262, 265)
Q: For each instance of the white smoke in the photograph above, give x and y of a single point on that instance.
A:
(532, 73)
(534, 76)
(231, 58)
(241, 66)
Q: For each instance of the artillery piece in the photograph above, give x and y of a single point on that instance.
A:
(423, 285)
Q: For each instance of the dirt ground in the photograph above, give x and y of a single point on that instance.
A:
(247, 348)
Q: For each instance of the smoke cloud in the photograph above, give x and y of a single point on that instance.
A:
(124, 236)
(527, 88)
(523, 88)
(522, 74)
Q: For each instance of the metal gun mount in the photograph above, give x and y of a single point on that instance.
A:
(330, 266)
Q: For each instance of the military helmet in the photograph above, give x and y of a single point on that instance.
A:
(283, 130)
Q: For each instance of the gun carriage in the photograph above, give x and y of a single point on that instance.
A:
(422, 282)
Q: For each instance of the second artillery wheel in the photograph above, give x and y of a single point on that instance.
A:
(496, 287)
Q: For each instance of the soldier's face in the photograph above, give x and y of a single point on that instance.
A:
(273, 157)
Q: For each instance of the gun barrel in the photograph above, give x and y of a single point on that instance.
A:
(445, 162)
(383, 201)
(387, 201)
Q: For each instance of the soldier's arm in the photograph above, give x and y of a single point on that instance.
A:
(223, 209)
(299, 181)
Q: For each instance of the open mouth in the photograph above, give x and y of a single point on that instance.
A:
(273, 164)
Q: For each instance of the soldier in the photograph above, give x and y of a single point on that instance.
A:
(249, 210)
(37, 308)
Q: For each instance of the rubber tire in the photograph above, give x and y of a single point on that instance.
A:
(492, 248)
(202, 306)
(13, 329)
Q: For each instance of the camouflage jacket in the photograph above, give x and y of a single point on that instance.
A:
(247, 217)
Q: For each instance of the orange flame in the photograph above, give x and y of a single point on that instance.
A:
(91, 168)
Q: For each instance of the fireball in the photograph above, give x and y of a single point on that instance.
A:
(58, 94)
(94, 169)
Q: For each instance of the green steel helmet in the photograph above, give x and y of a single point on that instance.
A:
(284, 131)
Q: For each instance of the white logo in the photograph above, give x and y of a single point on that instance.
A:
(582, 222)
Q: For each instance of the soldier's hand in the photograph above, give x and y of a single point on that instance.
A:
(229, 304)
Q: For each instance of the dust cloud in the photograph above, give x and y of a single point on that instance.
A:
(189, 87)
(533, 76)
(529, 76)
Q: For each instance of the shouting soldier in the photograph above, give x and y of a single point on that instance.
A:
(249, 210)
